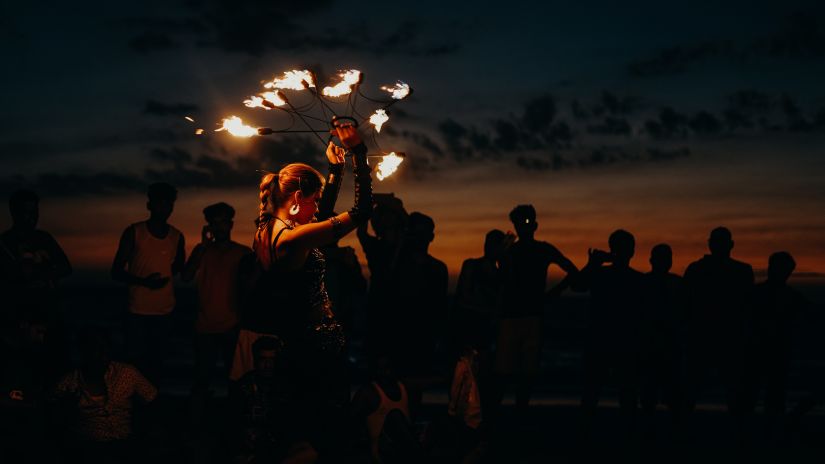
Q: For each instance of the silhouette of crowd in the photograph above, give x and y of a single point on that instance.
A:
(284, 326)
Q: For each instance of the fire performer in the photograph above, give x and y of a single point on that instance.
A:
(285, 293)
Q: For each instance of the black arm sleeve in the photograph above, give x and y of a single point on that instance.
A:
(362, 209)
(326, 206)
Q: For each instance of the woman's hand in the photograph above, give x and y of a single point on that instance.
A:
(347, 134)
(335, 154)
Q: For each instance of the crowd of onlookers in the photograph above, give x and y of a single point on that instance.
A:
(658, 337)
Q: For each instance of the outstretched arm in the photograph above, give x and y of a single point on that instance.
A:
(568, 267)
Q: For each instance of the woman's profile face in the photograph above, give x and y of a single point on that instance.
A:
(308, 208)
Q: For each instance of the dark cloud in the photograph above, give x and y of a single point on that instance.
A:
(71, 185)
(660, 154)
(254, 27)
(180, 168)
(616, 105)
(794, 117)
(669, 124)
(173, 155)
(422, 140)
(46, 146)
(800, 35)
(156, 108)
(533, 163)
(751, 101)
(454, 135)
(606, 155)
(611, 126)
(578, 110)
(676, 60)
(705, 123)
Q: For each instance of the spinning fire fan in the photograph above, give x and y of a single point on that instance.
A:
(313, 108)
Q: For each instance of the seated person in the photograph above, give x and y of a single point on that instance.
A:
(271, 427)
(98, 398)
(383, 407)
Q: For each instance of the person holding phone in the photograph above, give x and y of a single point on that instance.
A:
(214, 264)
(614, 318)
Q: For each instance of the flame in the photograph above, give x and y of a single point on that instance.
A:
(348, 80)
(198, 131)
(272, 98)
(399, 90)
(291, 80)
(378, 119)
(388, 165)
(189, 118)
(235, 126)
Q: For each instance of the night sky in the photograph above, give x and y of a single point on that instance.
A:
(665, 120)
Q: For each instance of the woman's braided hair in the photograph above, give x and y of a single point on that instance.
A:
(275, 190)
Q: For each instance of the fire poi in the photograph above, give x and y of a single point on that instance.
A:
(311, 108)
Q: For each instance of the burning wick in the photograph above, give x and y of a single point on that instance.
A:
(348, 80)
(398, 91)
(235, 126)
(267, 100)
(389, 165)
(292, 80)
(378, 119)
(189, 118)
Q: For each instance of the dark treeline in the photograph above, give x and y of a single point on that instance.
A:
(286, 327)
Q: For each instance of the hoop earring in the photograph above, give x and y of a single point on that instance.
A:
(295, 209)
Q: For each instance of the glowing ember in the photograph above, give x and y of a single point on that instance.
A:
(198, 131)
(388, 165)
(378, 119)
(235, 126)
(292, 80)
(398, 91)
(266, 100)
(189, 118)
(348, 80)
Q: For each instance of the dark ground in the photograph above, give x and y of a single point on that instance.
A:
(547, 434)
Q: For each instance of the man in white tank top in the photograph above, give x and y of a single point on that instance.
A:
(150, 253)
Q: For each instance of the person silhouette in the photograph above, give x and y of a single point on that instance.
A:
(215, 262)
(31, 260)
(775, 307)
(717, 289)
(478, 294)
(419, 313)
(149, 254)
(476, 304)
(31, 265)
(272, 427)
(616, 299)
(389, 221)
(661, 334)
(524, 268)
(99, 400)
